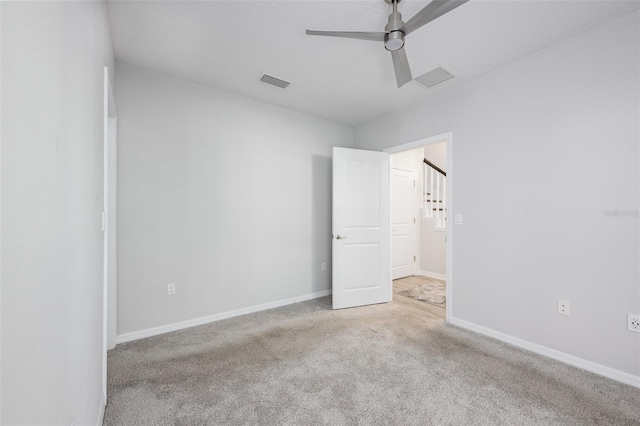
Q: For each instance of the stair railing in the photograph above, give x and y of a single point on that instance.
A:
(435, 194)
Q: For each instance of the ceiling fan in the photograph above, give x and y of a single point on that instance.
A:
(395, 31)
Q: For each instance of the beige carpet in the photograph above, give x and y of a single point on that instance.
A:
(423, 289)
(306, 364)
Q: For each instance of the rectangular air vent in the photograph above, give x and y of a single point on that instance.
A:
(433, 77)
(266, 78)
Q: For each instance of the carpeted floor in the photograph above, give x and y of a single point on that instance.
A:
(306, 364)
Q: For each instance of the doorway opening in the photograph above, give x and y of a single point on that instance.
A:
(420, 203)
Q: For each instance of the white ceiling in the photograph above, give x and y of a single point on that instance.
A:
(229, 44)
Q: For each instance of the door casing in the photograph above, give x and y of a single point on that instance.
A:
(448, 138)
(108, 227)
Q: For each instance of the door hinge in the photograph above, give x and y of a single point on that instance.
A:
(414, 183)
(414, 258)
(414, 220)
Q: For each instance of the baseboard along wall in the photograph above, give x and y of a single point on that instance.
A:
(574, 361)
(141, 334)
(593, 367)
(101, 408)
(434, 275)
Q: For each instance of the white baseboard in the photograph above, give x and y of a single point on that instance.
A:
(103, 404)
(141, 334)
(593, 367)
(435, 275)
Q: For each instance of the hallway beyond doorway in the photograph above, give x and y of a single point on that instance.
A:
(402, 285)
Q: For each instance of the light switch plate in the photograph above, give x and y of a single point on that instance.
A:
(458, 219)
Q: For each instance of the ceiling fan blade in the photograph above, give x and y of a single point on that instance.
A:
(361, 35)
(401, 66)
(432, 11)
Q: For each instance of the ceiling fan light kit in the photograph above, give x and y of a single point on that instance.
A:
(394, 41)
(395, 32)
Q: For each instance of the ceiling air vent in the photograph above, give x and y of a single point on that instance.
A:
(274, 81)
(433, 77)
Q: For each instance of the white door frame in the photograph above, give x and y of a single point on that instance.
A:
(448, 138)
(112, 234)
(109, 136)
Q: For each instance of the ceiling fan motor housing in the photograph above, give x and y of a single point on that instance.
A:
(394, 40)
(395, 31)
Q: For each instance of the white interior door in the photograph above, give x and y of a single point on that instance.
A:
(361, 233)
(403, 223)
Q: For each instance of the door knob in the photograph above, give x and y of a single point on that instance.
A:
(339, 237)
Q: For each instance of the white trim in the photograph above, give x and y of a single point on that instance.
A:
(449, 260)
(109, 113)
(141, 334)
(111, 233)
(448, 138)
(444, 137)
(101, 408)
(435, 275)
(402, 170)
(593, 367)
(105, 239)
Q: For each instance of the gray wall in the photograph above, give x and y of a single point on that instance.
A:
(556, 135)
(227, 197)
(53, 54)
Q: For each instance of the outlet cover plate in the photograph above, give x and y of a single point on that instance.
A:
(171, 289)
(633, 323)
(564, 307)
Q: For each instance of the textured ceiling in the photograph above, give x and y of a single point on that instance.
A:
(229, 44)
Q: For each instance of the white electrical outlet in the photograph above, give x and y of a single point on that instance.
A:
(171, 289)
(633, 323)
(323, 266)
(563, 307)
